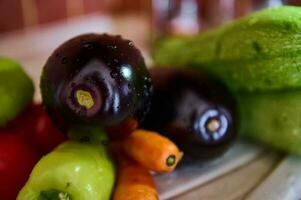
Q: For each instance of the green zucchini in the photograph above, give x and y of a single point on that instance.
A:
(258, 52)
(273, 118)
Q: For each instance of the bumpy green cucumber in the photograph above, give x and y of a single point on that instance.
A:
(16, 90)
(261, 51)
(273, 118)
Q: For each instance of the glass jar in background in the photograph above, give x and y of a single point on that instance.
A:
(176, 16)
(186, 17)
(220, 11)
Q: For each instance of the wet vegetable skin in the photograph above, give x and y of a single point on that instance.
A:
(96, 79)
(73, 171)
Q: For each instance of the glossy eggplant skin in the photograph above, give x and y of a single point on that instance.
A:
(194, 110)
(96, 79)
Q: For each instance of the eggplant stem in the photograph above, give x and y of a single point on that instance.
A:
(213, 125)
(84, 98)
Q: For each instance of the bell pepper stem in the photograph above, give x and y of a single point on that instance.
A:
(54, 195)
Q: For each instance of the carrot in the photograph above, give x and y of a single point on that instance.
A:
(134, 182)
(152, 150)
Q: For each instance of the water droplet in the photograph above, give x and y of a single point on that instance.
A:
(112, 46)
(131, 43)
(138, 94)
(146, 78)
(114, 74)
(126, 71)
(64, 60)
(88, 45)
(115, 60)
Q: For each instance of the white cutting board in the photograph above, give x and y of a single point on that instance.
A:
(192, 175)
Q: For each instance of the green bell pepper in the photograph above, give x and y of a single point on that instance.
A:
(73, 171)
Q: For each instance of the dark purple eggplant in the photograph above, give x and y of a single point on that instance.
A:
(96, 79)
(194, 110)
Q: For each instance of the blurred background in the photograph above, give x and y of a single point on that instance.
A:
(23, 14)
(31, 29)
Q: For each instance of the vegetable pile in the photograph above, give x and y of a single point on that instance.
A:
(106, 123)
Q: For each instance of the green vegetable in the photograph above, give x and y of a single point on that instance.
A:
(73, 171)
(16, 90)
(272, 118)
(91, 134)
(261, 51)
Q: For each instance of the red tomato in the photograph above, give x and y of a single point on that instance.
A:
(17, 158)
(35, 126)
(23, 125)
(46, 134)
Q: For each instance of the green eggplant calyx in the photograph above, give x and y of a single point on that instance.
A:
(171, 160)
(88, 134)
(54, 195)
(84, 98)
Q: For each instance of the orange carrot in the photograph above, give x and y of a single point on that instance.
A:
(152, 150)
(134, 182)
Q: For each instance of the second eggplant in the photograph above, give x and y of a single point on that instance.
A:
(194, 110)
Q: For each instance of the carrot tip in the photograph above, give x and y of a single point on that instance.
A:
(171, 160)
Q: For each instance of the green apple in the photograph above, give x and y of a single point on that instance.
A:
(16, 90)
